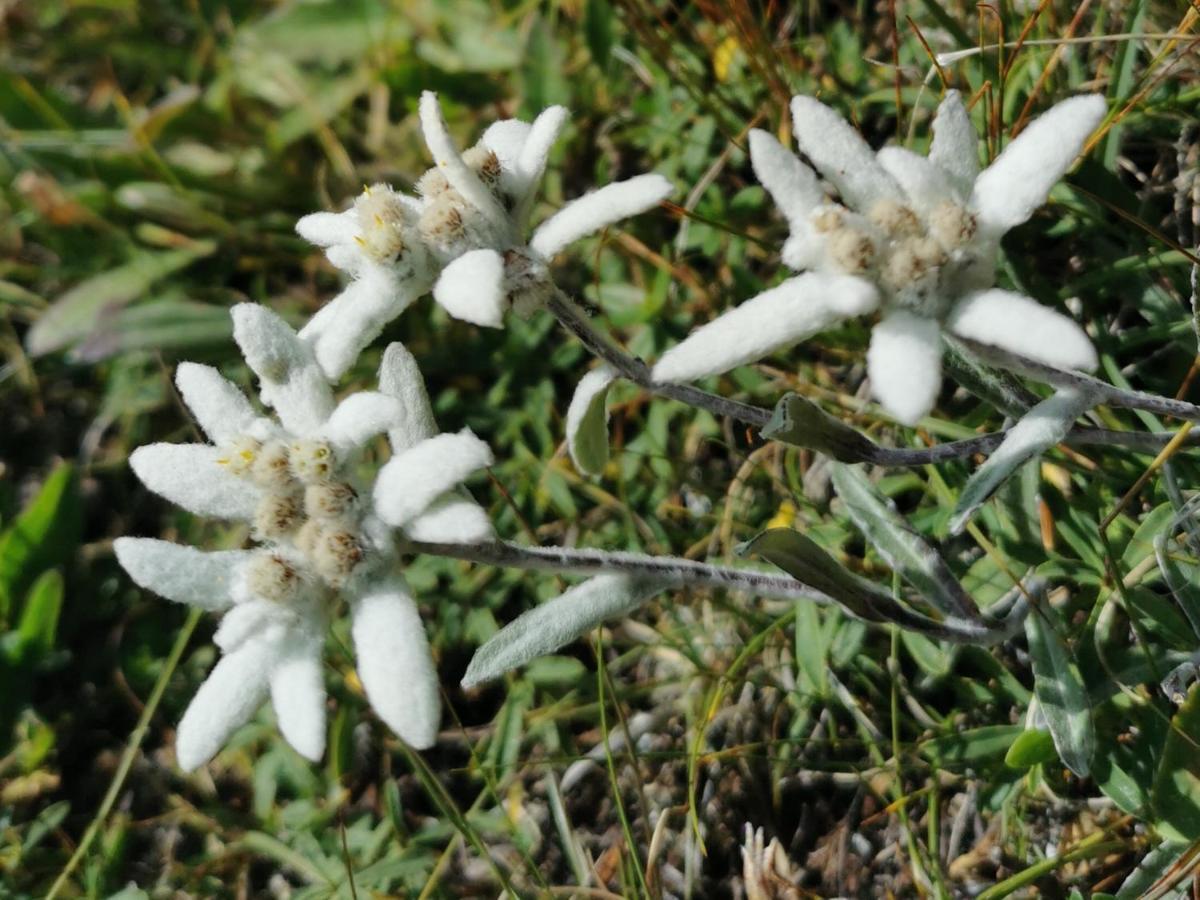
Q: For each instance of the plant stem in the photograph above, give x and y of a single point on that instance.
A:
(594, 562)
(686, 572)
(633, 369)
(1104, 392)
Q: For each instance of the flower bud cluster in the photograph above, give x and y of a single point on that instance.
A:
(306, 506)
(448, 224)
(388, 228)
(916, 264)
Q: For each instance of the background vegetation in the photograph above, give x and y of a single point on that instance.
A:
(154, 157)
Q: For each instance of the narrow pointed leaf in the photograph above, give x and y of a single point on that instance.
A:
(802, 559)
(1176, 793)
(39, 618)
(44, 535)
(547, 627)
(903, 549)
(587, 421)
(1060, 691)
(1040, 429)
(800, 422)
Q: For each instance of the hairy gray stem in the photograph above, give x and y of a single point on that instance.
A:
(689, 572)
(1081, 436)
(1104, 392)
(630, 367)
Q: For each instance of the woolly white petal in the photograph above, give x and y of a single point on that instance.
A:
(411, 480)
(221, 410)
(190, 477)
(804, 249)
(349, 258)
(587, 421)
(506, 138)
(346, 325)
(841, 155)
(531, 164)
(797, 308)
(471, 288)
(905, 365)
(400, 377)
(452, 519)
(359, 418)
(394, 664)
(955, 146)
(298, 697)
(1022, 325)
(597, 210)
(291, 380)
(791, 184)
(179, 572)
(326, 229)
(447, 158)
(925, 185)
(252, 617)
(1018, 182)
(230, 695)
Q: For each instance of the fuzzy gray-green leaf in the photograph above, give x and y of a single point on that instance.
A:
(545, 628)
(1037, 431)
(803, 423)
(1060, 691)
(905, 550)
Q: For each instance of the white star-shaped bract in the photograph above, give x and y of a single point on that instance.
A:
(377, 243)
(490, 264)
(321, 536)
(912, 236)
(464, 234)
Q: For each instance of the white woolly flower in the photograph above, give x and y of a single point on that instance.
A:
(464, 234)
(915, 237)
(321, 536)
(476, 207)
(377, 243)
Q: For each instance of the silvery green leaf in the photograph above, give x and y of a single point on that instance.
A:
(547, 627)
(1180, 572)
(1163, 874)
(1175, 796)
(1060, 691)
(998, 387)
(801, 558)
(587, 421)
(800, 422)
(903, 549)
(76, 313)
(1038, 430)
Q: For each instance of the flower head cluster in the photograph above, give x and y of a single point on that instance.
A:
(322, 535)
(911, 236)
(463, 234)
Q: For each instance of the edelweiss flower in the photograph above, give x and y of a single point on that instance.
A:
(464, 234)
(321, 535)
(377, 242)
(913, 236)
(478, 205)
